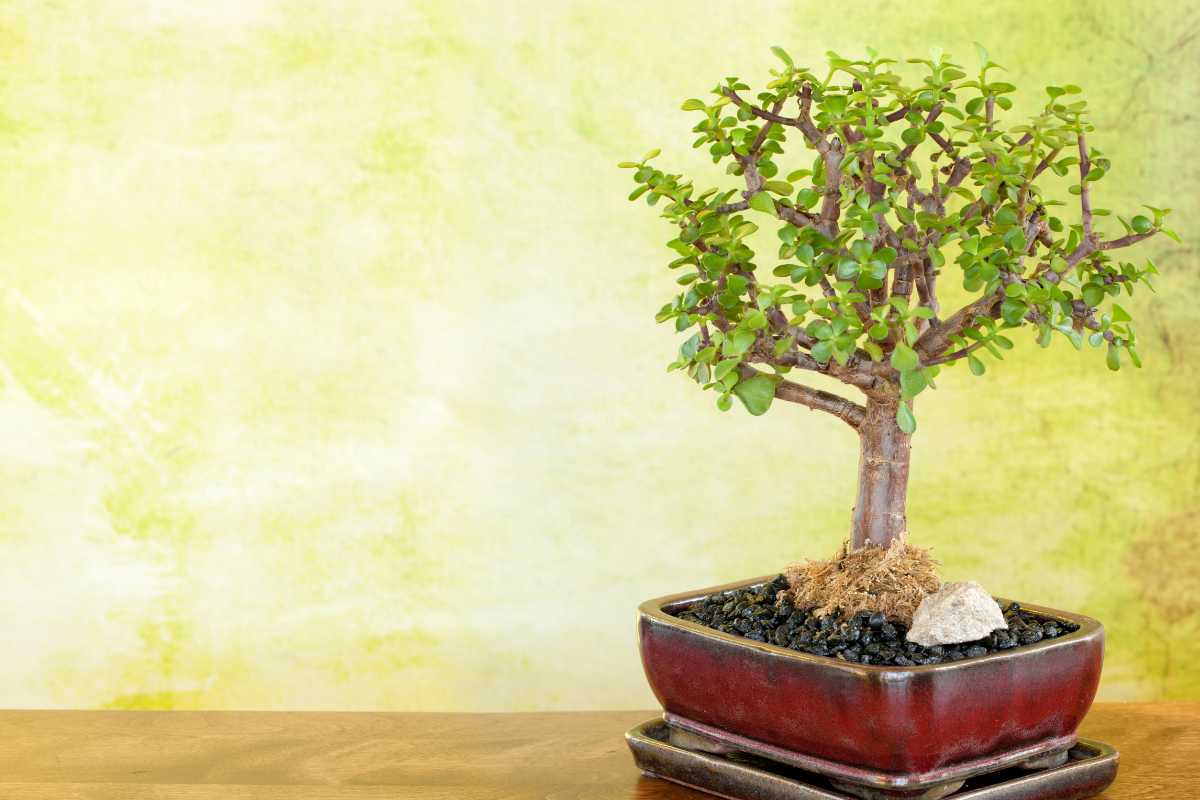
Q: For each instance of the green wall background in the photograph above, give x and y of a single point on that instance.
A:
(328, 375)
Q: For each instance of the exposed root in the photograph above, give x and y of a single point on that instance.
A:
(893, 580)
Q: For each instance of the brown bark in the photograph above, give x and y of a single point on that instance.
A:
(879, 513)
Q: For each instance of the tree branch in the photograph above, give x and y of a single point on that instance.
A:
(959, 172)
(927, 289)
(804, 122)
(847, 411)
(944, 144)
(934, 341)
(798, 218)
(1092, 245)
(1124, 241)
(1045, 162)
(860, 371)
(762, 134)
(1085, 200)
(902, 275)
(954, 356)
(761, 113)
(930, 117)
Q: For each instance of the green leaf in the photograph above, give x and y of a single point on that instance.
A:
(763, 202)
(1013, 311)
(755, 320)
(912, 383)
(808, 197)
(1113, 359)
(756, 394)
(835, 104)
(872, 275)
(904, 358)
(912, 136)
(693, 105)
(976, 365)
(688, 349)
(1015, 239)
(1093, 294)
(905, 419)
(724, 366)
(1141, 224)
(712, 263)
(782, 55)
(724, 402)
(847, 269)
(821, 330)
(779, 187)
(739, 342)
(1119, 314)
(651, 154)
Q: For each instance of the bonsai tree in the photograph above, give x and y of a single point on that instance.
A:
(887, 180)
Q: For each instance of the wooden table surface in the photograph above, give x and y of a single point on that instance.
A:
(329, 756)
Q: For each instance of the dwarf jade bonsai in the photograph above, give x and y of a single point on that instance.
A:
(892, 178)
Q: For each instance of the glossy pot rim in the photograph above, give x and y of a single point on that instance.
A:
(655, 611)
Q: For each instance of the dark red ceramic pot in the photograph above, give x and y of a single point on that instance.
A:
(895, 728)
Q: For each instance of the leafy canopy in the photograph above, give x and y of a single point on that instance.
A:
(889, 178)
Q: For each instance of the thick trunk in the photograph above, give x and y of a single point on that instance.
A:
(882, 477)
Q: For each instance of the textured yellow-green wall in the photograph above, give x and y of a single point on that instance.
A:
(328, 376)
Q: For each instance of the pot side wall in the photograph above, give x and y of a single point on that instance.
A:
(885, 719)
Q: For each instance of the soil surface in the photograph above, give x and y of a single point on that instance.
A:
(864, 638)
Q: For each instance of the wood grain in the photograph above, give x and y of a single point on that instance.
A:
(197, 755)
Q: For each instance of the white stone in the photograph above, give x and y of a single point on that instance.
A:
(962, 611)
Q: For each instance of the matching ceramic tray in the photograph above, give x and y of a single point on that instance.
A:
(1090, 767)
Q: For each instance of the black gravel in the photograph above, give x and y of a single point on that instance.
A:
(864, 638)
